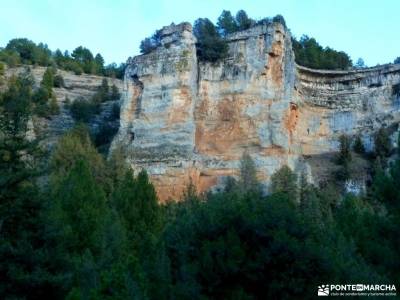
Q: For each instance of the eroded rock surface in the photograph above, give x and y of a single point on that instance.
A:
(76, 86)
(182, 119)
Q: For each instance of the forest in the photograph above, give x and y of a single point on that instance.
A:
(78, 224)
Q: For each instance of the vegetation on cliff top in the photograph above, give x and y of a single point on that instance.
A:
(212, 46)
(81, 60)
(77, 226)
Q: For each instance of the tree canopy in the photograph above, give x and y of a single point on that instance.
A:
(24, 51)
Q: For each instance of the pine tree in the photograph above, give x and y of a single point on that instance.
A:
(210, 46)
(226, 23)
(23, 269)
(53, 106)
(73, 146)
(344, 150)
(243, 21)
(248, 181)
(382, 142)
(80, 209)
(114, 93)
(48, 81)
(99, 62)
(104, 90)
(285, 181)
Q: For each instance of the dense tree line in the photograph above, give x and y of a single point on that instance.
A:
(74, 225)
(81, 60)
(310, 54)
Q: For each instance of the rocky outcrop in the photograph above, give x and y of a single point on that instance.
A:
(182, 119)
(76, 86)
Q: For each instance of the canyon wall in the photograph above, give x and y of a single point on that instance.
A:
(182, 119)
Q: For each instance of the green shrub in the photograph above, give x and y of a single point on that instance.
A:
(74, 67)
(115, 95)
(383, 146)
(11, 58)
(150, 43)
(358, 146)
(53, 106)
(59, 81)
(82, 110)
(2, 69)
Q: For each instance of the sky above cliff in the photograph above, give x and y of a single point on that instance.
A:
(362, 28)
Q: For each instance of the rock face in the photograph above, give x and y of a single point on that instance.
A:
(183, 120)
(76, 86)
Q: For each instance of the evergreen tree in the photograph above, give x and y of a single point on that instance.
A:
(85, 59)
(99, 64)
(382, 142)
(150, 43)
(115, 95)
(24, 48)
(243, 21)
(226, 23)
(248, 181)
(279, 19)
(74, 146)
(59, 81)
(360, 64)
(23, 270)
(358, 146)
(210, 46)
(285, 181)
(53, 106)
(48, 81)
(344, 150)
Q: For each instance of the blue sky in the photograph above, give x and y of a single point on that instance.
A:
(363, 28)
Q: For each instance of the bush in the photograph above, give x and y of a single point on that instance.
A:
(82, 110)
(24, 48)
(74, 67)
(383, 146)
(53, 106)
(358, 146)
(11, 58)
(115, 95)
(59, 81)
(344, 150)
(2, 69)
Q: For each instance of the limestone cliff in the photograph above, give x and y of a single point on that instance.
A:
(183, 119)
